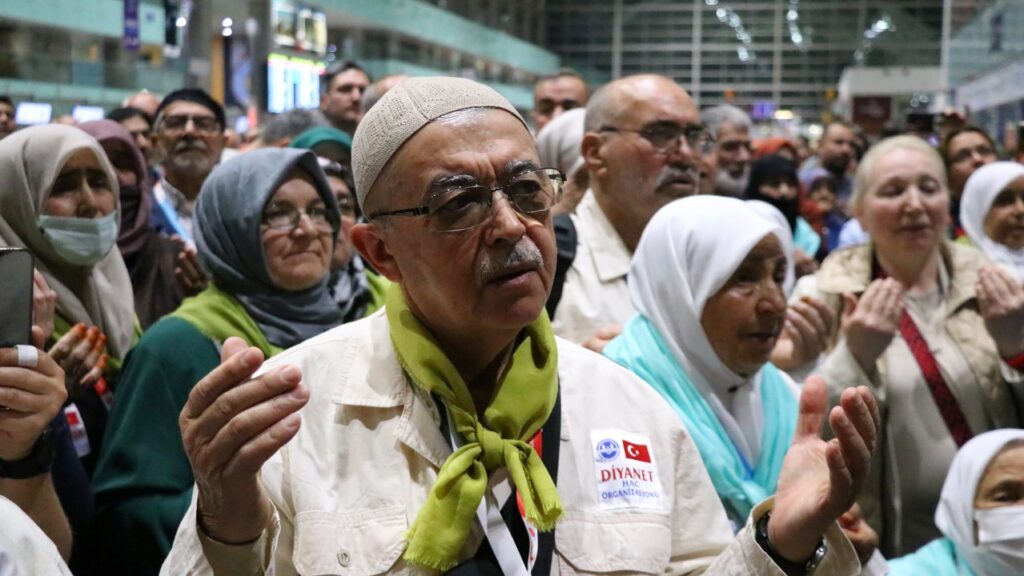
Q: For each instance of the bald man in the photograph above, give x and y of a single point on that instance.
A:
(642, 145)
(452, 432)
(145, 101)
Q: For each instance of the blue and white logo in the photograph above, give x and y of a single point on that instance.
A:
(607, 449)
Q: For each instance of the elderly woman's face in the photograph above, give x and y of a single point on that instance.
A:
(296, 234)
(744, 318)
(81, 189)
(1004, 222)
(1003, 481)
(906, 206)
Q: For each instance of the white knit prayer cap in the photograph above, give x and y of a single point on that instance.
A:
(402, 111)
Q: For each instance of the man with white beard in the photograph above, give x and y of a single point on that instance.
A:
(730, 157)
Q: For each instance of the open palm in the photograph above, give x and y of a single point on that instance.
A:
(821, 479)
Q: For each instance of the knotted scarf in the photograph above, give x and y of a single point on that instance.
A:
(522, 404)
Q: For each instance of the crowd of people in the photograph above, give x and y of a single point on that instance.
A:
(410, 332)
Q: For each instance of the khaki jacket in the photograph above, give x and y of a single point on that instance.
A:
(350, 484)
(850, 271)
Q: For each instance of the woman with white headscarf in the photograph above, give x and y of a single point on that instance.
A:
(980, 513)
(707, 283)
(992, 213)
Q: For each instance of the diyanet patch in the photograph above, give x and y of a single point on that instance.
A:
(626, 470)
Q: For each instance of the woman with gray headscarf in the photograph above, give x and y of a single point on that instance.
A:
(265, 225)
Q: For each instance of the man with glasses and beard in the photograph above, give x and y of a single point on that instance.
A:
(189, 130)
(452, 432)
(730, 156)
(642, 145)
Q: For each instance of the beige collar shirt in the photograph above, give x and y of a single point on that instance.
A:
(595, 293)
(346, 489)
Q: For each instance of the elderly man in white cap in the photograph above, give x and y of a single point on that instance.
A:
(452, 432)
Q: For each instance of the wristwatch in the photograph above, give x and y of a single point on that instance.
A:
(790, 568)
(38, 461)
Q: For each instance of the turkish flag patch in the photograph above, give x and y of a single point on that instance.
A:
(636, 451)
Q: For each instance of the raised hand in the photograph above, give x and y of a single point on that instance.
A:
(80, 354)
(805, 335)
(44, 302)
(187, 271)
(1001, 299)
(820, 480)
(871, 322)
(231, 424)
(30, 396)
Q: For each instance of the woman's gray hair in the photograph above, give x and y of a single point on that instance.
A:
(864, 178)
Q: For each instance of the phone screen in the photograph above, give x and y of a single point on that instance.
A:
(15, 297)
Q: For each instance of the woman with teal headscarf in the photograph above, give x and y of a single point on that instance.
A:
(707, 283)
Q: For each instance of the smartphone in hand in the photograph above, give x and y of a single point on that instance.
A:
(16, 265)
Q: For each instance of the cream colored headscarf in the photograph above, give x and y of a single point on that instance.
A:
(100, 295)
(403, 111)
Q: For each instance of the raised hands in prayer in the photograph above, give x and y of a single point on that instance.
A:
(231, 424)
(805, 335)
(80, 354)
(1001, 299)
(821, 479)
(187, 271)
(44, 302)
(871, 321)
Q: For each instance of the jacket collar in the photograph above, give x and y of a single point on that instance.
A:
(374, 379)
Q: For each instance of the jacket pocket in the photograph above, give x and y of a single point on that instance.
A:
(363, 543)
(595, 543)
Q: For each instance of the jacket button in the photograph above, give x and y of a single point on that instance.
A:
(343, 558)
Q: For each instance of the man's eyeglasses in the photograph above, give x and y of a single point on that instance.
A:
(666, 137)
(206, 124)
(284, 217)
(463, 207)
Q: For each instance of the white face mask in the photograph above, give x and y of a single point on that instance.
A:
(1000, 540)
(81, 241)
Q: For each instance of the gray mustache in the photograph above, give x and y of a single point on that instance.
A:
(524, 255)
(674, 173)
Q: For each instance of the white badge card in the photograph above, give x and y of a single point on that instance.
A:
(79, 437)
(626, 470)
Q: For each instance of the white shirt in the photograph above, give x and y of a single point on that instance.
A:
(595, 293)
(25, 550)
(346, 489)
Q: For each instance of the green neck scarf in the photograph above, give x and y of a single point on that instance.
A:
(522, 404)
(218, 315)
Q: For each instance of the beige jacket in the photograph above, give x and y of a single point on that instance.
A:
(849, 271)
(595, 293)
(347, 488)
